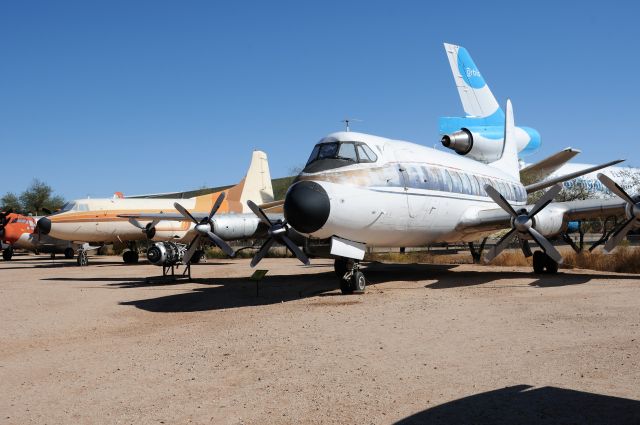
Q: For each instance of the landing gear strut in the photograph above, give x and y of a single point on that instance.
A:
(351, 278)
(83, 258)
(543, 263)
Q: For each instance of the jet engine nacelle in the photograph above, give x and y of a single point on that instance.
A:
(236, 226)
(166, 253)
(473, 144)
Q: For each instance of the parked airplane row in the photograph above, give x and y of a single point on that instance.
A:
(359, 191)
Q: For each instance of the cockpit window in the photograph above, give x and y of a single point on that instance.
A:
(339, 154)
(69, 206)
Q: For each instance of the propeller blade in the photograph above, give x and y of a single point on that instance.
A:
(136, 223)
(193, 246)
(615, 188)
(184, 212)
(215, 207)
(526, 249)
(295, 250)
(549, 249)
(262, 252)
(545, 200)
(501, 245)
(619, 235)
(221, 244)
(499, 199)
(257, 211)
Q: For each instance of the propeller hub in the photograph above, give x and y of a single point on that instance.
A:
(203, 229)
(522, 223)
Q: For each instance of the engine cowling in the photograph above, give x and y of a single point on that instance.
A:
(549, 222)
(237, 226)
(483, 143)
(166, 253)
(460, 141)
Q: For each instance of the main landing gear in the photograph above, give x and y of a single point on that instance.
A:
(131, 256)
(542, 263)
(82, 258)
(351, 278)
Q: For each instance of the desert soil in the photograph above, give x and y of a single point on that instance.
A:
(424, 344)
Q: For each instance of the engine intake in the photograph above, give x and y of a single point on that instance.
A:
(166, 253)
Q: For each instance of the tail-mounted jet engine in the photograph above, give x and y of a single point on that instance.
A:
(166, 253)
(475, 145)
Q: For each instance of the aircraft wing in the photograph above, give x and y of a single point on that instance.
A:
(542, 169)
(163, 216)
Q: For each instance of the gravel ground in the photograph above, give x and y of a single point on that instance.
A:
(425, 344)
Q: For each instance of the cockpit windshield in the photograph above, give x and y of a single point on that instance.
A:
(69, 206)
(338, 154)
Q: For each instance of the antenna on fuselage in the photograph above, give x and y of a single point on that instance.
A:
(347, 121)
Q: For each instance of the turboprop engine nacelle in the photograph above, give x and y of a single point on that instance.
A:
(549, 222)
(166, 253)
(236, 226)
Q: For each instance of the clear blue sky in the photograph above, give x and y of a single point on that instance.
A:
(156, 96)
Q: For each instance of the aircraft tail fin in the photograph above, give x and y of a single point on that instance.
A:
(475, 95)
(256, 185)
(508, 161)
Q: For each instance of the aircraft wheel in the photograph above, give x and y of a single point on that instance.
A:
(340, 267)
(130, 257)
(539, 262)
(7, 254)
(346, 287)
(551, 266)
(82, 259)
(68, 253)
(358, 282)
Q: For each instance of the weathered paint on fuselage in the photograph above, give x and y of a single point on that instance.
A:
(411, 196)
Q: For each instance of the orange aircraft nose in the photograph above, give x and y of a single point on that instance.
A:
(12, 234)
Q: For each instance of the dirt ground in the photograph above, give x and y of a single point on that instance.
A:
(425, 344)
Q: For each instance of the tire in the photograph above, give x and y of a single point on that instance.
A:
(7, 254)
(539, 262)
(130, 257)
(358, 282)
(345, 287)
(551, 266)
(68, 253)
(340, 267)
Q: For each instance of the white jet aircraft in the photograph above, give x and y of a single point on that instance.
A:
(358, 191)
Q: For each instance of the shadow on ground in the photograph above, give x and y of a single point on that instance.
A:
(232, 292)
(523, 404)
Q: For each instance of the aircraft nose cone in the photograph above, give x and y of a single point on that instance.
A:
(44, 225)
(306, 206)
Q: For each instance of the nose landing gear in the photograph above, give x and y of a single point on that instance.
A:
(351, 279)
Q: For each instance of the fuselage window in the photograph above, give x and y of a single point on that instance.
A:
(457, 182)
(475, 184)
(366, 154)
(466, 184)
(83, 207)
(448, 181)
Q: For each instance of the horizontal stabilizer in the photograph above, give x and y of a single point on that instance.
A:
(539, 171)
(548, 183)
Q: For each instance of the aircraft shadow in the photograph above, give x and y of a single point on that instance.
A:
(233, 292)
(523, 404)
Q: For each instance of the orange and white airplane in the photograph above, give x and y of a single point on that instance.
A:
(127, 220)
(17, 231)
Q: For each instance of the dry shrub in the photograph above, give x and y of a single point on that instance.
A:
(513, 258)
(623, 259)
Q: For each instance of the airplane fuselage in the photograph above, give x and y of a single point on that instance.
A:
(411, 195)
